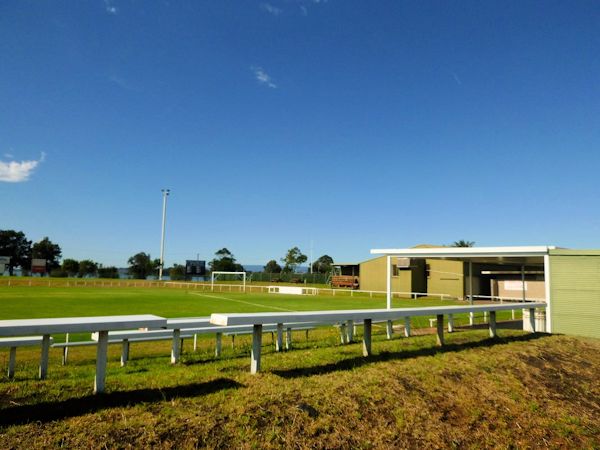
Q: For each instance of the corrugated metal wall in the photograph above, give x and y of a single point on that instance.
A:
(575, 292)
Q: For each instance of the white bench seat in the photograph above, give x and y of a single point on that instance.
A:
(12, 343)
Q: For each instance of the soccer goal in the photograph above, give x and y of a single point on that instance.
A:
(215, 275)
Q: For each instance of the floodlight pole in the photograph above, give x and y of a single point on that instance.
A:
(165, 193)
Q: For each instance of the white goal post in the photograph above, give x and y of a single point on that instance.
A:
(215, 275)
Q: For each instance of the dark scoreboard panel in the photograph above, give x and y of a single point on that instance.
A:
(195, 267)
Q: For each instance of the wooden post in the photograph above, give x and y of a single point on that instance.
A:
(367, 337)
(440, 329)
(124, 352)
(218, 344)
(11, 362)
(493, 333)
(195, 342)
(288, 339)
(101, 355)
(175, 347)
(407, 326)
(450, 323)
(532, 319)
(232, 341)
(43, 373)
(349, 331)
(389, 329)
(279, 342)
(256, 348)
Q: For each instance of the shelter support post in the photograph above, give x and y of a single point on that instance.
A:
(440, 330)
(256, 348)
(367, 337)
(43, 373)
(101, 355)
(388, 285)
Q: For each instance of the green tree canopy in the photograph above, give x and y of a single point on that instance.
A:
(48, 250)
(462, 243)
(108, 272)
(15, 245)
(293, 258)
(87, 267)
(141, 265)
(177, 272)
(225, 262)
(70, 266)
(323, 264)
(272, 267)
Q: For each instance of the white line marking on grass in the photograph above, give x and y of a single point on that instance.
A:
(242, 301)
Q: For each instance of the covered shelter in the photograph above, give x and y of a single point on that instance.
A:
(482, 262)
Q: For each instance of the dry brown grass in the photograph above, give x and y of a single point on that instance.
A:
(517, 392)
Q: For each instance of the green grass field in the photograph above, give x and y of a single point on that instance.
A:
(516, 391)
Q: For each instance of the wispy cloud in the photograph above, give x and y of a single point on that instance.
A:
(271, 9)
(16, 172)
(110, 8)
(458, 81)
(263, 77)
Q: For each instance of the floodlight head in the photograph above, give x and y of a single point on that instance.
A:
(165, 191)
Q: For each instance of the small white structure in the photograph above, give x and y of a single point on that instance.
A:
(292, 290)
(215, 275)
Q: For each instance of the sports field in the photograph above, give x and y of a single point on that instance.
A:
(20, 302)
(519, 390)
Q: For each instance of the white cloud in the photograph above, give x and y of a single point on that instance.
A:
(263, 77)
(271, 9)
(16, 172)
(110, 8)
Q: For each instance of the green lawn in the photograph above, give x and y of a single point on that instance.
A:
(518, 391)
(36, 302)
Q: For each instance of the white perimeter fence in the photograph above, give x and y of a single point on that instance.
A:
(218, 287)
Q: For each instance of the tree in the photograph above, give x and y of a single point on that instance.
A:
(87, 267)
(272, 267)
(225, 262)
(70, 266)
(15, 245)
(141, 265)
(177, 272)
(293, 259)
(323, 264)
(108, 272)
(48, 250)
(462, 243)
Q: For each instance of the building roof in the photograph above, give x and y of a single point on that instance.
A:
(494, 255)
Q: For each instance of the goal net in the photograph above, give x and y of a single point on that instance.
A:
(235, 275)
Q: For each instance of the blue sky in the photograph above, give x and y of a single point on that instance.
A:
(354, 124)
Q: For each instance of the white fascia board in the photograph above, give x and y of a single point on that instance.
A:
(466, 252)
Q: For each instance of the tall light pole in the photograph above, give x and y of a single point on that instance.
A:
(165, 193)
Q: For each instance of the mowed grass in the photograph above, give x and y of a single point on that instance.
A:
(22, 302)
(519, 391)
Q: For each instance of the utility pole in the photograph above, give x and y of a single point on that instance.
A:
(165, 193)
